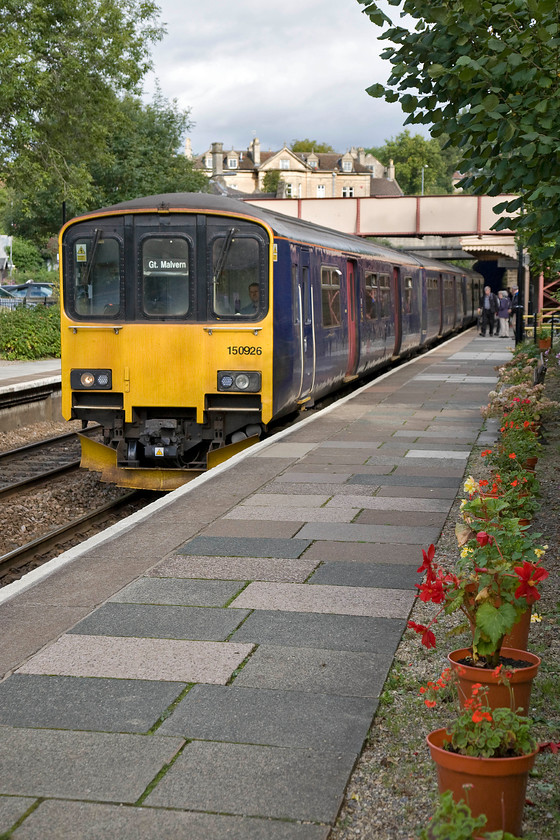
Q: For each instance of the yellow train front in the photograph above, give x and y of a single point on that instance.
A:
(166, 335)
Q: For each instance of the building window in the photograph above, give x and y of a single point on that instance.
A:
(313, 163)
(289, 191)
(284, 163)
(232, 163)
(347, 192)
(347, 166)
(321, 191)
(208, 162)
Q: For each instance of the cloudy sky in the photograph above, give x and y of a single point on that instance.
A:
(276, 69)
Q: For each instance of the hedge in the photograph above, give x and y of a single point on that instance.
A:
(30, 332)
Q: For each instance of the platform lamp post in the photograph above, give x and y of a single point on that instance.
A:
(520, 306)
(424, 166)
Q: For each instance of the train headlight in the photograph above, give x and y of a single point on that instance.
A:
(236, 380)
(91, 380)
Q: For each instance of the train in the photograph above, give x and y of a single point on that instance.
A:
(191, 322)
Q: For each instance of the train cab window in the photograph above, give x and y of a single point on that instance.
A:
(96, 276)
(165, 276)
(370, 311)
(384, 296)
(330, 296)
(236, 287)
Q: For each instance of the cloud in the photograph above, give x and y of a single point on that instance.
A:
(283, 69)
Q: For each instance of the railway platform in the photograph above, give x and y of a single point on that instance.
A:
(209, 668)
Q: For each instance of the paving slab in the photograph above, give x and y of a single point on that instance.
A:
(81, 765)
(283, 500)
(301, 489)
(400, 504)
(160, 622)
(445, 454)
(358, 552)
(231, 528)
(177, 591)
(335, 672)
(139, 659)
(418, 491)
(53, 702)
(315, 630)
(256, 781)
(245, 547)
(378, 575)
(432, 482)
(295, 597)
(281, 718)
(370, 533)
(11, 809)
(241, 568)
(409, 518)
(56, 820)
(268, 514)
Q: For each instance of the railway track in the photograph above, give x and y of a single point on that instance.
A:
(25, 558)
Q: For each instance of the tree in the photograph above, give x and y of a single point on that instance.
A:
(310, 146)
(64, 66)
(486, 74)
(410, 154)
(271, 180)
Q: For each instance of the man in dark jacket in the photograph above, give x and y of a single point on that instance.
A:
(487, 308)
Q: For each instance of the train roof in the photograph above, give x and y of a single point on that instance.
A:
(281, 225)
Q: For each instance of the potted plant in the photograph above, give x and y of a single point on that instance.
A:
(544, 337)
(488, 752)
(455, 821)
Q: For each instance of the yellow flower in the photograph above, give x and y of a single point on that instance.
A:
(536, 618)
(466, 552)
(540, 551)
(470, 486)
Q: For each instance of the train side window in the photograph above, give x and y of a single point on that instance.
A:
(306, 295)
(384, 295)
(407, 298)
(433, 293)
(236, 288)
(165, 276)
(370, 311)
(295, 294)
(330, 296)
(96, 274)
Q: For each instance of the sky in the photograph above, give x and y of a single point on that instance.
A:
(279, 70)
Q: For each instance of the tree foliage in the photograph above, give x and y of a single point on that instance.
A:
(410, 153)
(487, 75)
(271, 180)
(64, 67)
(310, 146)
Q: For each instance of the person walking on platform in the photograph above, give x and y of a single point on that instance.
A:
(504, 311)
(487, 308)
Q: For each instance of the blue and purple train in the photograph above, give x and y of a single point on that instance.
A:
(191, 322)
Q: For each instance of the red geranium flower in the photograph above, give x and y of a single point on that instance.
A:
(428, 559)
(530, 577)
(483, 539)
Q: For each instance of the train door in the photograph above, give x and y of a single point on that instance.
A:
(353, 320)
(307, 327)
(397, 309)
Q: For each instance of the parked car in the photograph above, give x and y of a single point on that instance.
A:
(8, 300)
(33, 293)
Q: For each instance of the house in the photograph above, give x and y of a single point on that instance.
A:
(302, 174)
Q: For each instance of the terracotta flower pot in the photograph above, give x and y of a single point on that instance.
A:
(530, 463)
(519, 636)
(496, 786)
(544, 343)
(521, 680)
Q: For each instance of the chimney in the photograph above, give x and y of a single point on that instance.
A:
(188, 148)
(391, 171)
(361, 156)
(256, 151)
(217, 158)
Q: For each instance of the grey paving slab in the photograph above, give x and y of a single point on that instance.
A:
(339, 532)
(295, 597)
(139, 659)
(313, 478)
(81, 765)
(245, 547)
(377, 503)
(53, 702)
(197, 593)
(266, 513)
(283, 500)
(378, 575)
(406, 480)
(461, 433)
(358, 552)
(344, 457)
(336, 672)
(280, 718)
(160, 622)
(315, 630)
(301, 489)
(432, 469)
(286, 449)
(11, 809)
(232, 529)
(242, 568)
(421, 492)
(55, 820)
(256, 780)
(444, 454)
(408, 518)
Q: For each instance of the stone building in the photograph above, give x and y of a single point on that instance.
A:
(302, 174)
